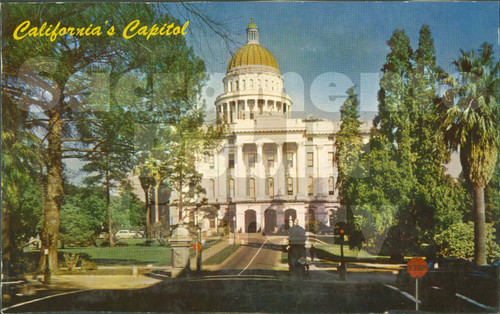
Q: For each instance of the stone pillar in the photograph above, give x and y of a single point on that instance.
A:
(240, 180)
(240, 221)
(261, 177)
(301, 170)
(280, 184)
(180, 243)
(319, 185)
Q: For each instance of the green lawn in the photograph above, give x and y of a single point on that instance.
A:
(284, 257)
(222, 255)
(335, 249)
(132, 252)
(349, 255)
(123, 255)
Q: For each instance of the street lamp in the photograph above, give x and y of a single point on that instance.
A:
(198, 244)
(234, 230)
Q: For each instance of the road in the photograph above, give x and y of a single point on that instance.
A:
(251, 280)
(257, 254)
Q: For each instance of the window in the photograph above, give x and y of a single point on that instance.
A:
(331, 186)
(270, 160)
(270, 187)
(251, 160)
(211, 161)
(230, 140)
(251, 187)
(212, 187)
(231, 188)
(289, 160)
(244, 85)
(231, 161)
(310, 159)
(330, 158)
(289, 186)
(310, 186)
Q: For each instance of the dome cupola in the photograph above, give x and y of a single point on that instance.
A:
(252, 33)
(252, 53)
(253, 85)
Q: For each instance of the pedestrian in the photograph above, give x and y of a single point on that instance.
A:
(312, 252)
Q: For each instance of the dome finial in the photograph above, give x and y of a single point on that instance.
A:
(252, 33)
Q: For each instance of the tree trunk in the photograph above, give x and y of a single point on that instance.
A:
(148, 214)
(54, 193)
(479, 227)
(112, 240)
(157, 202)
(6, 242)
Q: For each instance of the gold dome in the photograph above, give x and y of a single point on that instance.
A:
(252, 54)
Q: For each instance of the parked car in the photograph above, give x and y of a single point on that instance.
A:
(126, 234)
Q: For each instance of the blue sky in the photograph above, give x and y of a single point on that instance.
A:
(347, 38)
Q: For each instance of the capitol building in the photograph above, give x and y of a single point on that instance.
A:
(272, 171)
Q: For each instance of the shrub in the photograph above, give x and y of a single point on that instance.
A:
(458, 241)
(88, 265)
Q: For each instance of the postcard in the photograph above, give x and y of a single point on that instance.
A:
(250, 157)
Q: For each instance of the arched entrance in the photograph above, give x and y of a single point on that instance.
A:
(290, 217)
(270, 220)
(250, 221)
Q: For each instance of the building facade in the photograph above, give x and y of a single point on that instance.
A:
(272, 171)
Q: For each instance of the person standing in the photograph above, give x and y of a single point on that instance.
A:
(312, 252)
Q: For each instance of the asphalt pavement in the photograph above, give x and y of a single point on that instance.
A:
(253, 279)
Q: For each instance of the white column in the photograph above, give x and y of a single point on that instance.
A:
(240, 180)
(280, 184)
(301, 170)
(240, 220)
(319, 184)
(260, 178)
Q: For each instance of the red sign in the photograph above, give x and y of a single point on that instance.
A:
(417, 267)
(197, 247)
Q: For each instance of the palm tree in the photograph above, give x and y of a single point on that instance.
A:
(471, 126)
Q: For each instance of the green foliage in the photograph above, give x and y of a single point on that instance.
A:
(400, 189)
(82, 216)
(492, 196)
(458, 241)
(313, 226)
(127, 211)
(93, 116)
(349, 142)
(88, 265)
(470, 112)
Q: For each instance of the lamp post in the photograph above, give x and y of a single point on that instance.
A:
(234, 230)
(198, 245)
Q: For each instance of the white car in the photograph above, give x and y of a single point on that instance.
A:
(126, 234)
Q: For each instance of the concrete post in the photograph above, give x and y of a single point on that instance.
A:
(180, 243)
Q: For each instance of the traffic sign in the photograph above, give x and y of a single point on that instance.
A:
(417, 267)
